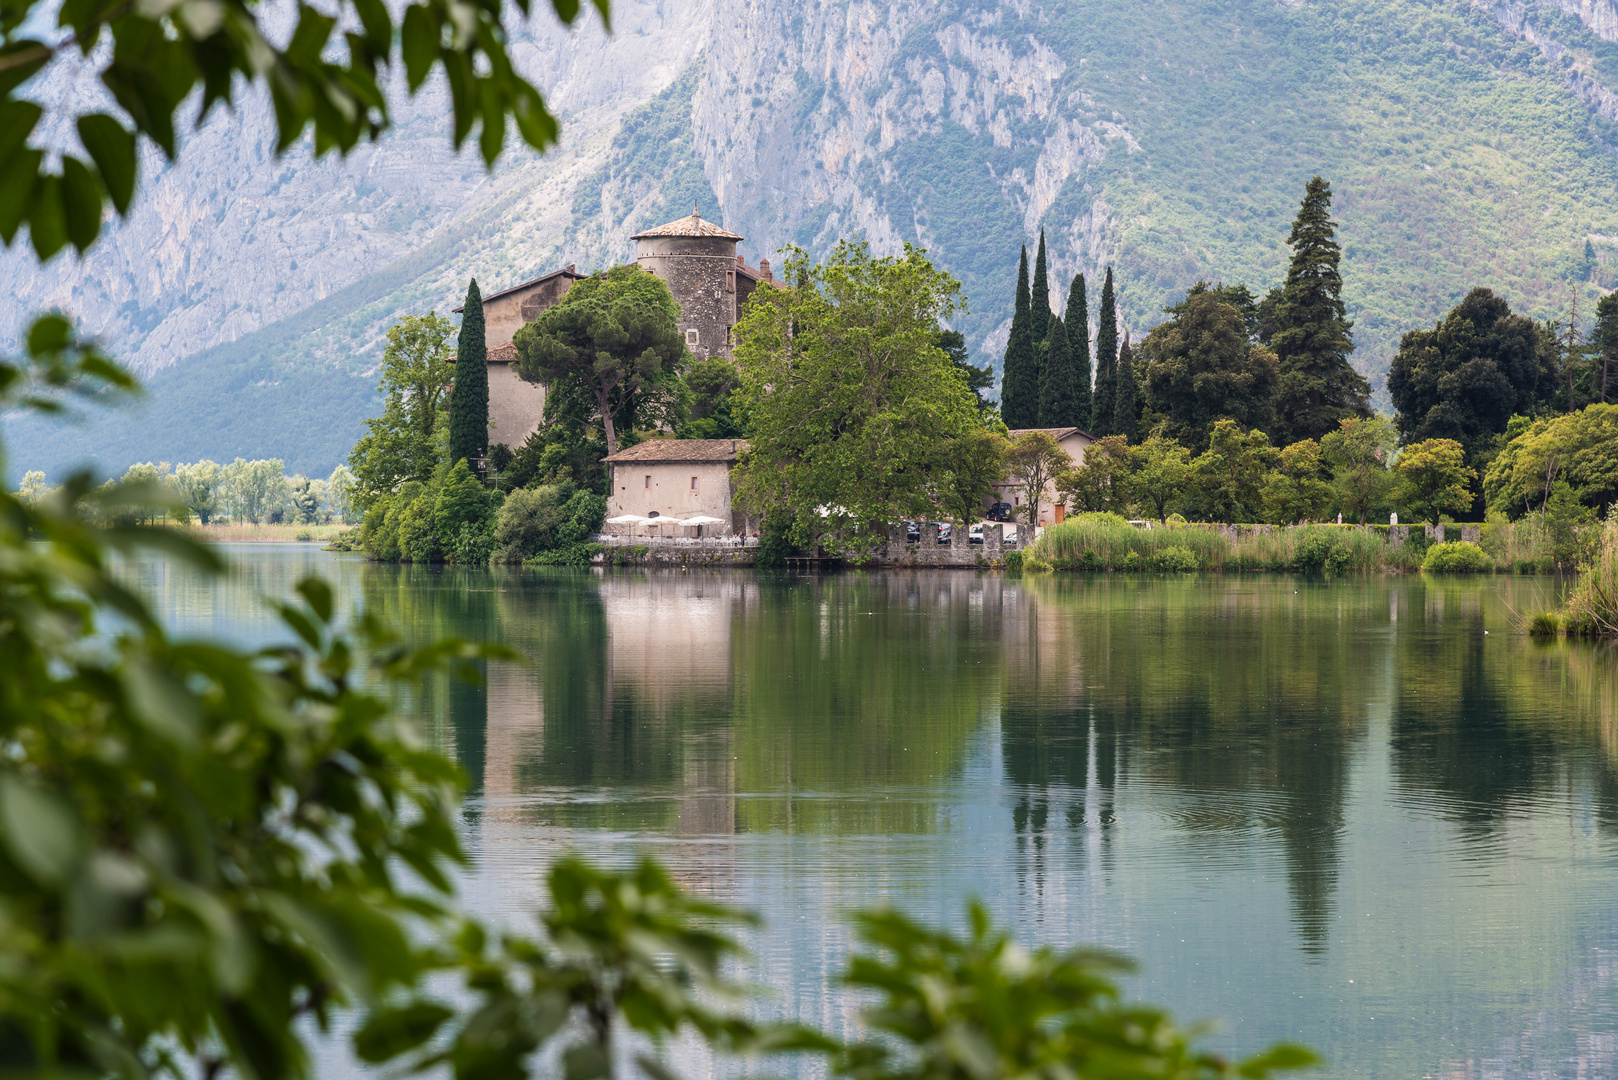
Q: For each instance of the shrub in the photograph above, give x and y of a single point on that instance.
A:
(1178, 559)
(1456, 557)
(304, 535)
(1014, 560)
(551, 518)
(1545, 624)
(1313, 551)
(775, 542)
(1033, 563)
(1592, 607)
(571, 555)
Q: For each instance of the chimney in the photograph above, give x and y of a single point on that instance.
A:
(570, 269)
(764, 270)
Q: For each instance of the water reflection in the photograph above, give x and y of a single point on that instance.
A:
(1363, 813)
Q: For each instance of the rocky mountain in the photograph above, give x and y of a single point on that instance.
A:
(1468, 142)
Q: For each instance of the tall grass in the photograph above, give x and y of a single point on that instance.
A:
(1592, 606)
(1099, 544)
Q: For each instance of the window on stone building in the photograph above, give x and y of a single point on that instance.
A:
(690, 337)
(693, 483)
(648, 481)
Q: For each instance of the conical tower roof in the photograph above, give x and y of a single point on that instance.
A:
(689, 226)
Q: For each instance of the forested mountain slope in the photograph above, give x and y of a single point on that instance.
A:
(1468, 144)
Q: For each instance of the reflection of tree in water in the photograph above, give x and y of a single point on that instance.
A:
(1491, 724)
(1221, 695)
(871, 684)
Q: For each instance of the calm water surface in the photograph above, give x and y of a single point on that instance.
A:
(1361, 814)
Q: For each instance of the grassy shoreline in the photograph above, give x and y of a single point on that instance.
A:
(246, 532)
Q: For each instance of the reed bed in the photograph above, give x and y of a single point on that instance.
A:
(1097, 544)
(247, 532)
(1592, 607)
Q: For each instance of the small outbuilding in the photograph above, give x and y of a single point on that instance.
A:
(674, 487)
(1051, 512)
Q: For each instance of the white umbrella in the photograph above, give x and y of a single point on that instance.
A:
(628, 519)
(701, 520)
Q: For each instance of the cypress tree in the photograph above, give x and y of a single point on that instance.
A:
(1077, 327)
(1040, 298)
(469, 398)
(1106, 395)
(1311, 330)
(1056, 379)
(1123, 411)
(1019, 378)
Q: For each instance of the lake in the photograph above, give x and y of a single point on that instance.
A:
(1363, 814)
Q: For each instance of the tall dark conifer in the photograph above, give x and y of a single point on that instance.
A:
(1077, 326)
(1040, 297)
(1056, 380)
(1106, 393)
(1311, 330)
(469, 398)
(1125, 411)
(1019, 378)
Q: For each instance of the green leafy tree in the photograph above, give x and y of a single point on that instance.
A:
(200, 485)
(1359, 453)
(1309, 329)
(1162, 469)
(848, 395)
(461, 502)
(1077, 325)
(252, 488)
(1019, 377)
(1201, 367)
(1434, 479)
(325, 77)
(401, 444)
(1056, 397)
(1298, 490)
(1465, 378)
(610, 337)
(1039, 298)
(1580, 448)
(1033, 463)
(1104, 480)
(305, 501)
(1106, 389)
(710, 416)
(979, 1005)
(1229, 477)
(967, 471)
(469, 395)
(979, 380)
(340, 495)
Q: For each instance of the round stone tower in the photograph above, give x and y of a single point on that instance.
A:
(697, 260)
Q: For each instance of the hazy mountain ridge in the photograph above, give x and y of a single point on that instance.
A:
(1470, 143)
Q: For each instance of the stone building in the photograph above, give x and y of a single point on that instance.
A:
(515, 407)
(1051, 512)
(675, 480)
(695, 258)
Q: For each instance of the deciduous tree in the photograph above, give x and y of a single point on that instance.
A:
(1309, 329)
(1434, 479)
(1162, 469)
(1359, 453)
(1229, 477)
(1103, 480)
(402, 443)
(1033, 463)
(968, 468)
(610, 336)
(199, 484)
(847, 394)
(1298, 490)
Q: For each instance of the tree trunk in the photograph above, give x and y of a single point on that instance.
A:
(607, 427)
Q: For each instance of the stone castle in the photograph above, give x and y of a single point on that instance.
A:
(698, 261)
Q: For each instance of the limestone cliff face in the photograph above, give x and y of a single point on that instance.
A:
(1469, 141)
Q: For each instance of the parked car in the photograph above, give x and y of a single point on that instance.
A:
(912, 532)
(945, 533)
(974, 534)
(1009, 537)
(1000, 511)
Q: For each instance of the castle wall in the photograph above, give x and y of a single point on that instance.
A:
(515, 407)
(504, 315)
(701, 273)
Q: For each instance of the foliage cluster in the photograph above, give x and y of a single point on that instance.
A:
(208, 493)
(1592, 607)
(549, 524)
(1455, 557)
(1094, 542)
